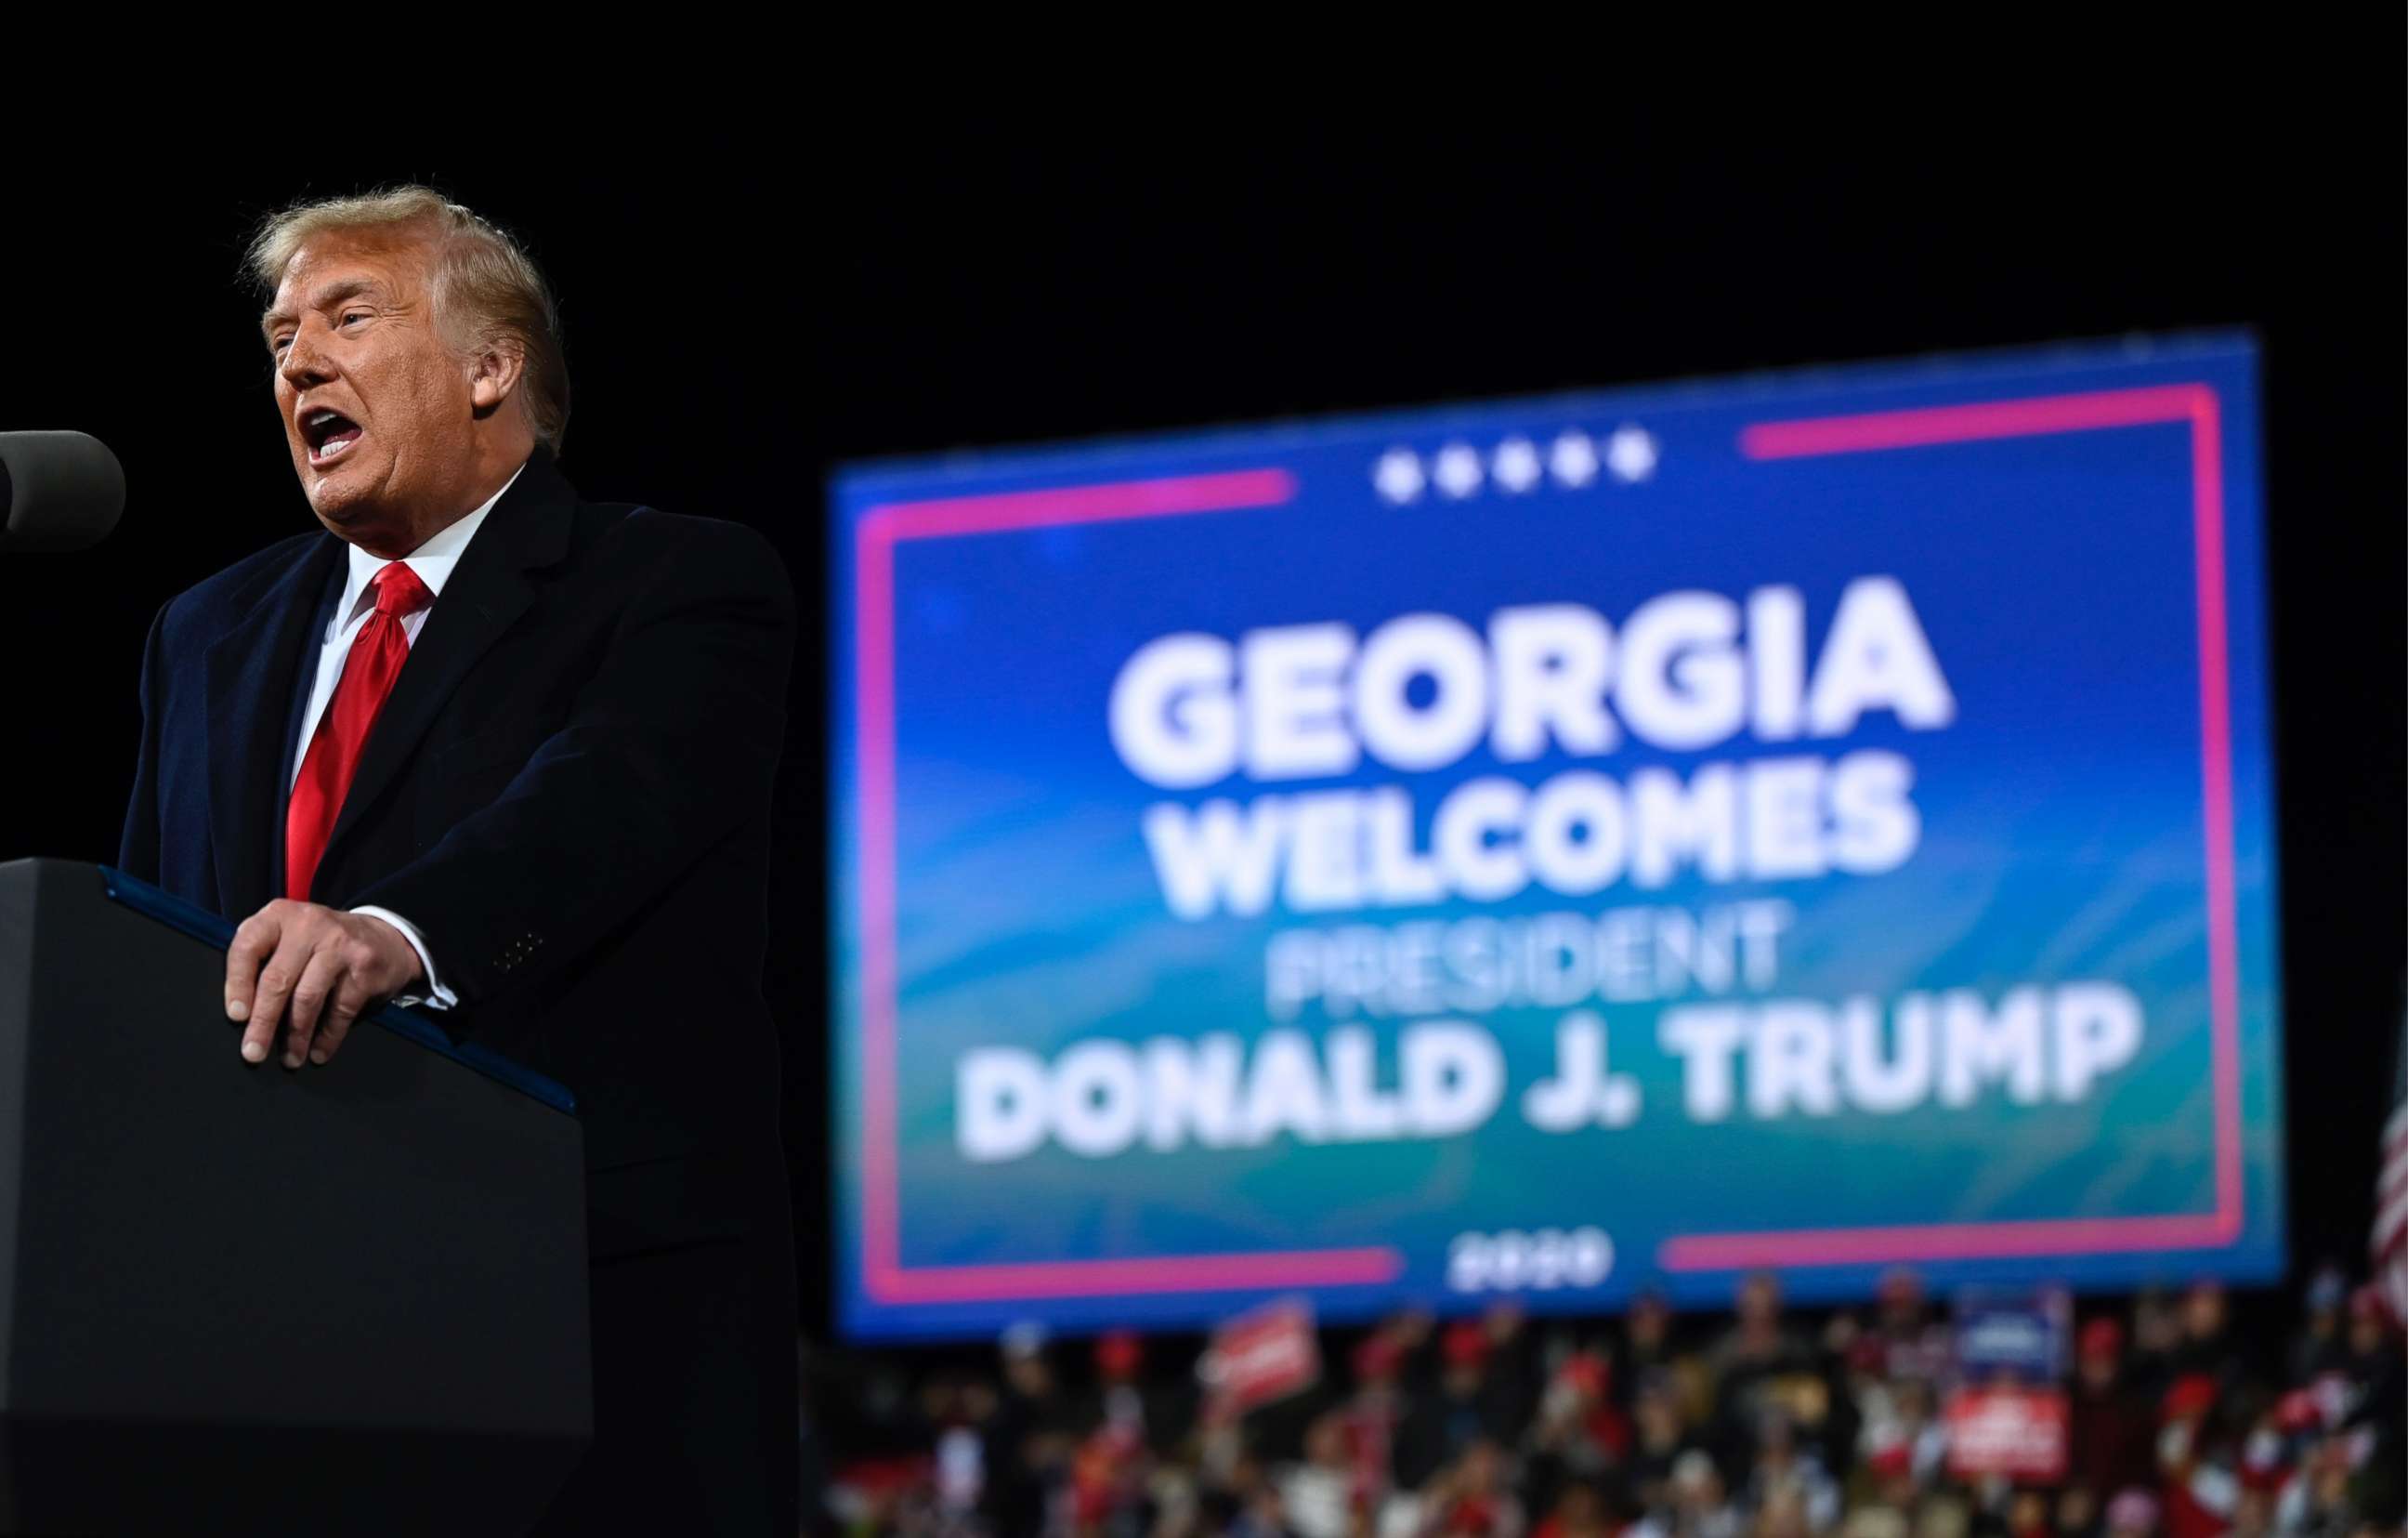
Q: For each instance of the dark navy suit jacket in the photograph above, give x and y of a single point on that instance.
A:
(568, 793)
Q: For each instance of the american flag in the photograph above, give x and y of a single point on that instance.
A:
(2390, 1241)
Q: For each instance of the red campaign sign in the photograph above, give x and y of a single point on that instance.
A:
(2017, 1433)
(1263, 1355)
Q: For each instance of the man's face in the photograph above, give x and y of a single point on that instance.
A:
(379, 413)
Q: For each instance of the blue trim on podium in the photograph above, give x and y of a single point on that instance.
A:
(209, 928)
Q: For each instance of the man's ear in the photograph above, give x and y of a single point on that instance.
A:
(494, 375)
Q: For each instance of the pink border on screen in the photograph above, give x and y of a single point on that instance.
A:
(888, 1281)
(884, 1275)
(2197, 405)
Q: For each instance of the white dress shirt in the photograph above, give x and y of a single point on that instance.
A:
(432, 563)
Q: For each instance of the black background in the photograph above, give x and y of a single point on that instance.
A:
(745, 310)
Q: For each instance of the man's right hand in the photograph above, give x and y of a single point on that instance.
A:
(314, 969)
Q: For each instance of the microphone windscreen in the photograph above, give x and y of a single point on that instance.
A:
(63, 490)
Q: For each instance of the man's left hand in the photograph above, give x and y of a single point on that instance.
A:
(312, 970)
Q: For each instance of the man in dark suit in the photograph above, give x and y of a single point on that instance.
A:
(486, 746)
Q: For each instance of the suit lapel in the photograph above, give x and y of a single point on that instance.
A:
(528, 529)
(253, 672)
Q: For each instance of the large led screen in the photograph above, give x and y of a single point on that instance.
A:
(1552, 848)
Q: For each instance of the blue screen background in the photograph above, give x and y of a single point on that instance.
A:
(2063, 832)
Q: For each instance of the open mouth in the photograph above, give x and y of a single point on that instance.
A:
(329, 433)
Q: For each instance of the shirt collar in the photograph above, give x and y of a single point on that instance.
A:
(432, 562)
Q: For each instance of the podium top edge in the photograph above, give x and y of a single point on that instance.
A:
(215, 930)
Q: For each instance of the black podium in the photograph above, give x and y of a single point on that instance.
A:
(347, 1299)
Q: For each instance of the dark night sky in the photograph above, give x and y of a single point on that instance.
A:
(742, 316)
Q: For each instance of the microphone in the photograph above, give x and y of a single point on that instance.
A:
(63, 491)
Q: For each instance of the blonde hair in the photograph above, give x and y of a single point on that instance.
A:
(479, 272)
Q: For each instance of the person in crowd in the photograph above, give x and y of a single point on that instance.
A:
(1579, 1512)
(2026, 1513)
(1759, 1342)
(1374, 1412)
(1258, 1509)
(1472, 1497)
(2195, 1473)
(1470, 1405)
(1783, 1472)
(1578, 1436)
(957, 1409)
(2204, 1342)
(1914, 1344)
(1921, 1428)
(1896, 1434)
(1154, 1413)
(1698, 1506)
(2321, 1346)
(2132, 1513)
(2374, 1386)
(1787, 1515)
(1826, 1404)
(1219, 1508)
(2253, 1513)
(1318, 1494)
(1884, 1480)
(1753, 1364)
(1029, 1438)
(2317, 1503)
(1515, 1370)
(1941, 1514)
(2078, 1514)
(2156, 1331)
(1659, 1435)
(2112, 1432)
(1109, 1482)
(1119, 1359)
(1644, 1348)
(2269, 1455)
(2371, 1368)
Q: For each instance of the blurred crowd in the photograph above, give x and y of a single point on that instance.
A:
(1759, 1423)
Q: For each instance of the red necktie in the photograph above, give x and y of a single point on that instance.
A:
(369, 671)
